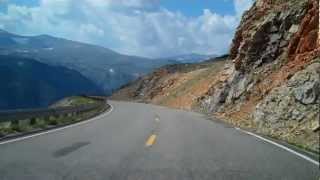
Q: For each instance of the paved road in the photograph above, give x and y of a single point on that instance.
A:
(145, 142)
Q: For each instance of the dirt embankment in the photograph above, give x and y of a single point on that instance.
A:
(178, 86)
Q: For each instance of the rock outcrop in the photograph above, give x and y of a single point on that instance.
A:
(291, 111)
(275, 82)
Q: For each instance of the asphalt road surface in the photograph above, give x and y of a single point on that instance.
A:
(146, 142)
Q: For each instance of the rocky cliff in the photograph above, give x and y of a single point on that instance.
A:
(270, 82)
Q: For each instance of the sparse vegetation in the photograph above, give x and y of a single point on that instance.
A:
(80, 100)
(73, 101)
(41, 123)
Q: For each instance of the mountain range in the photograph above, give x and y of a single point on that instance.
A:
(27, 83)
(106, 68)
(103, 69)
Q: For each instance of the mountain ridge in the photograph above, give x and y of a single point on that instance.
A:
(107, 68)
(27, 83)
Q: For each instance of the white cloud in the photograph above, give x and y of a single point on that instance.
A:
(139, 27)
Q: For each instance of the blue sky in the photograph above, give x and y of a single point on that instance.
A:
(195, 7)
(151, 28)
(188, 7)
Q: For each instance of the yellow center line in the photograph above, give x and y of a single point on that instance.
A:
(151, 140)
(157, 119)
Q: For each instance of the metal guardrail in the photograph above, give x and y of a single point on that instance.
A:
(15, 115)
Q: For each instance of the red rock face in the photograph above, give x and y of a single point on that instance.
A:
(242, 41)
(305, 40)
(254, 42)
(275, 39)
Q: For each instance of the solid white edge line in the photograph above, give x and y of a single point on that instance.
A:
(57, 129)
(280, 146)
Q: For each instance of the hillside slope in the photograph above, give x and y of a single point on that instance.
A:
(177, 85)
(271, 86)
(26, 83)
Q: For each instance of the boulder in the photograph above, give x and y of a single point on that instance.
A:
(306, 84)
(296, 100)
(238, 84)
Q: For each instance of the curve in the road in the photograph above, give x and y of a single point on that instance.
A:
(186, 146)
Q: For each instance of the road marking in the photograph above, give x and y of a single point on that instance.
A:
(151, 140)
(281, 146)
(57, 129)
(157, 119)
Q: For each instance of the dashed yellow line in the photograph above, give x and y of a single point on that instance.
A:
(151, 140)
(157, 119)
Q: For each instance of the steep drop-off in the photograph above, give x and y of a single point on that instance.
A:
(270, 83)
